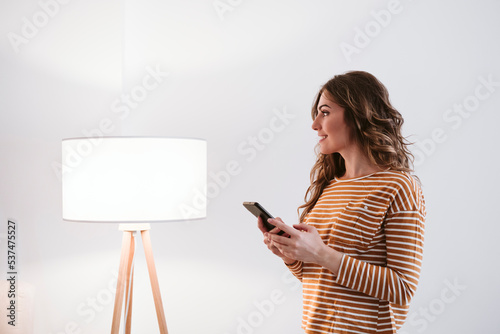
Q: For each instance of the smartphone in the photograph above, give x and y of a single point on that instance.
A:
(258, 211)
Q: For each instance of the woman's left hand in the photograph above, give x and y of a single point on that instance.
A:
(304, 244)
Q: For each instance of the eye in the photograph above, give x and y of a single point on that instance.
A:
(324, 113)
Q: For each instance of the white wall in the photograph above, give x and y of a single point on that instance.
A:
(229, 75)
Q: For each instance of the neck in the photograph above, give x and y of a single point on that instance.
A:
(357, 164)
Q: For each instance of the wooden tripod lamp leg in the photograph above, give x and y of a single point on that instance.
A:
(146, 241)
(125, 282)
(120, 285)
(129, 287)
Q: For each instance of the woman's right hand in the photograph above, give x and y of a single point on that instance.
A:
(269, 243)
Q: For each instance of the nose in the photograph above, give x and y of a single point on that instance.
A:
(316, 124)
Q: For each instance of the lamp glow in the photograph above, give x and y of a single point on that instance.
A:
(134, 179)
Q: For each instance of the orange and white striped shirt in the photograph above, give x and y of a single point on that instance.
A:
(377, 221)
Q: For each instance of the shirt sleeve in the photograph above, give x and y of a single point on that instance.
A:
(404, 232)
(296, 269)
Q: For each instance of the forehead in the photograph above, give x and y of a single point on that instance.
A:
(326, 98)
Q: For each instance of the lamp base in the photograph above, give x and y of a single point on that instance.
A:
(126, 278)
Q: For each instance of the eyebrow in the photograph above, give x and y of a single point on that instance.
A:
(324, 105)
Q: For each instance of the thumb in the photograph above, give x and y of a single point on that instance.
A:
(303, 227)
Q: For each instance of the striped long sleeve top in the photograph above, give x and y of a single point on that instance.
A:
(377, 222)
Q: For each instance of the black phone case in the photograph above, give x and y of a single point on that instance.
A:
(257, 210)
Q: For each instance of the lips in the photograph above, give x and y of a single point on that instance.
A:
(321, 138)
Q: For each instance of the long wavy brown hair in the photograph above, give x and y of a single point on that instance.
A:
(375, 125)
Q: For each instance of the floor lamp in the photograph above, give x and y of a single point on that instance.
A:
(134, 181)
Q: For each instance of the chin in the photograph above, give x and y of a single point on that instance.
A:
(327, 150)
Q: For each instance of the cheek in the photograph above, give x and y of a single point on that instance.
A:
(340, 133)
(336, 127)
(347, 134)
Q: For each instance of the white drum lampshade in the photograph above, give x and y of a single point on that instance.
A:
(134, 179)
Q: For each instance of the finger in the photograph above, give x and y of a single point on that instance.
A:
(281, 249)
(282, 226)
(275, 231)
(276, 252)
(272, 247)
(260, 224)
(268, 242)
(281, 240)
(303, 227)
(281, 232)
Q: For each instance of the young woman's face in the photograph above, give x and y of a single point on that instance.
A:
(333, 132)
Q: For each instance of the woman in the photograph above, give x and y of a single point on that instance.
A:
(358, 247)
